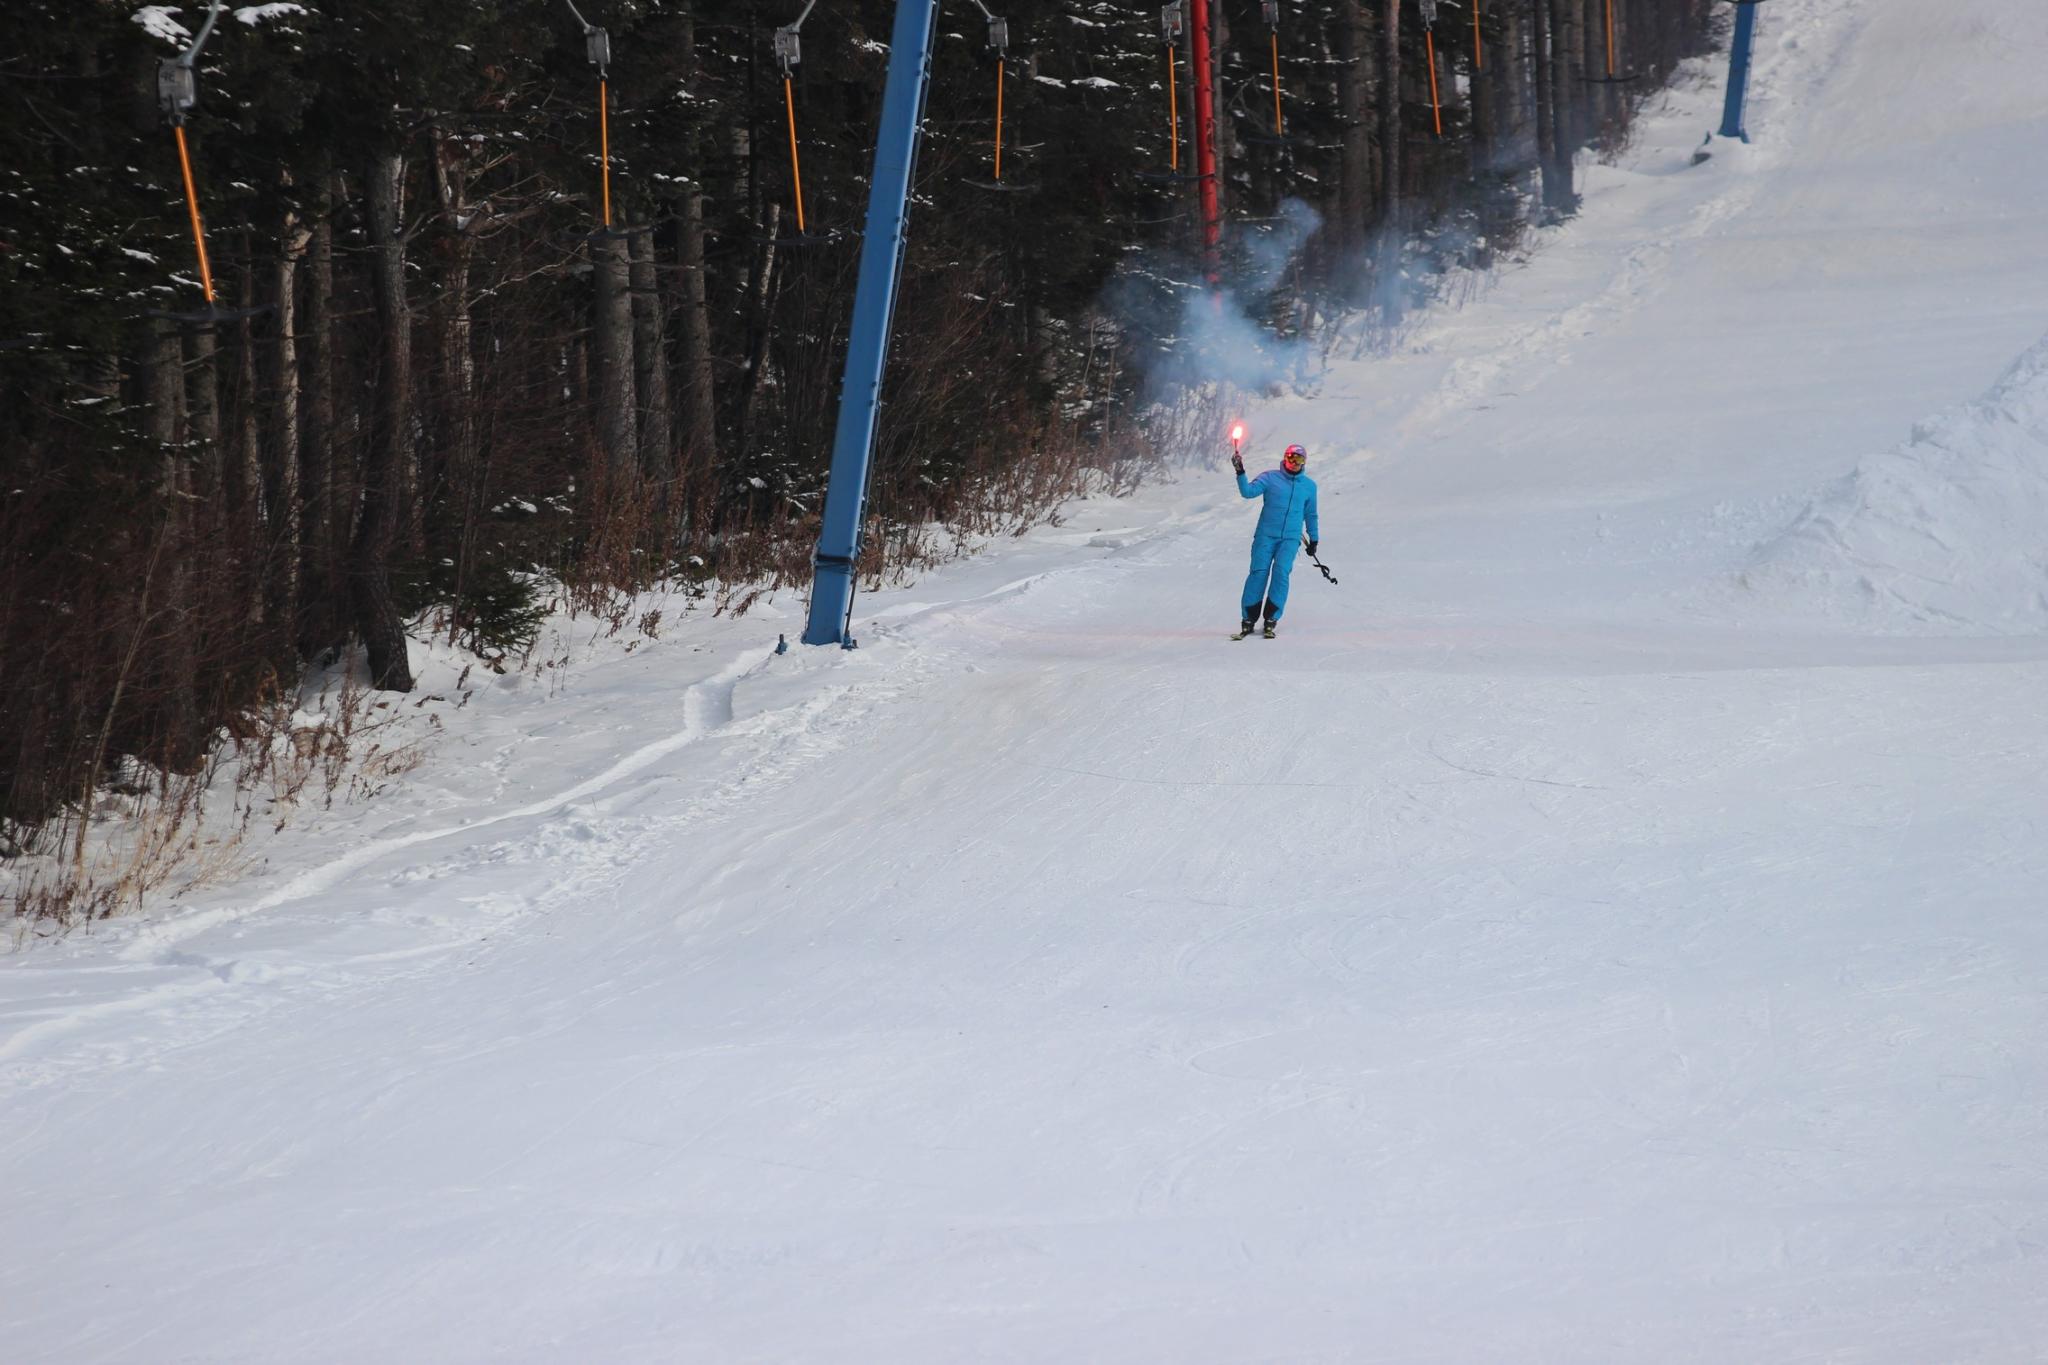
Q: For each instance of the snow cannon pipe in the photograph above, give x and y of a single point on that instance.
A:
(192, 208)
(189, 58)
(796, 165)
(1436, 107)
(999, 119)
(604, 144)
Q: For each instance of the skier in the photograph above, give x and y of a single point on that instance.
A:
(1290, 507)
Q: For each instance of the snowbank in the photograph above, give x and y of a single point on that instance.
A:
(1947, 531)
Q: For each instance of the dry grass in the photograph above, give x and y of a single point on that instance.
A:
(151, 833)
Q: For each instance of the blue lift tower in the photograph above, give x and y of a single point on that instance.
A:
(1738, 70)
(874, 309)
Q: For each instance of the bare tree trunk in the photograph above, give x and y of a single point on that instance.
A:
(163, 397)
(612, 336)
(163, 374)
(245, 469)
(1629, 61)
(460, 441)
(281, 472)
(746, 148)
(376, 610)
(203, 555)
(325, 600)
(1568, 68)
(1447, 150)
(414, 484)
(1599, 95)
(1390, 115)
(697, 403)
(760, 332)
(1219, 43)
(202, 408)
(698, 407)
(1668, 24)
(99, 752)
(1546, 115)
(1514, 132)
(1354, 93)
(650, 366)
(1552, 110)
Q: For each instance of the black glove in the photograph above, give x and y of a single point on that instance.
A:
(1237, 462)
(1312, 548)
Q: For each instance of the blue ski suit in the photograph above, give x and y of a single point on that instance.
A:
(1290, 506)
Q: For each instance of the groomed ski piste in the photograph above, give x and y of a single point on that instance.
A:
(1609, 926)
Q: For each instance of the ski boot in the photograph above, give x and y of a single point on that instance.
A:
(1246, 627)
(1271, 624)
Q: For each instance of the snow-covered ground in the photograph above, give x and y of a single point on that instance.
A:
(1607, 926)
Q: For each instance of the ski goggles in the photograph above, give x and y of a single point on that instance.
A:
(1295, 457)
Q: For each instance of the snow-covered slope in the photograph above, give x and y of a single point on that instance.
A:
(1948, 530)
(1544, 951)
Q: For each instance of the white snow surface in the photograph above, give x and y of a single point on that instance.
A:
(1591, 932)
(253, 15)
(1949, 530)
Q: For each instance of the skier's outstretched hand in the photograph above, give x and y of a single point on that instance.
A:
(1237, 462)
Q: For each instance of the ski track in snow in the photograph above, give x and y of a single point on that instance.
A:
(1543, 951)
(581, 838)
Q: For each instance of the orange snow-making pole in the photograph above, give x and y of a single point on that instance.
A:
(1436, 106)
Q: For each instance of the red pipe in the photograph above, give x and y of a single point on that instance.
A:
(1205, 148)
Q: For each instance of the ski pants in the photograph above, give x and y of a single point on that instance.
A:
(1271, 556)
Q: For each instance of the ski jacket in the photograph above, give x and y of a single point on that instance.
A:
(1290, 503)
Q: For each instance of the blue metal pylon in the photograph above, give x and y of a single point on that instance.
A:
(1738, 69)
(874, 311)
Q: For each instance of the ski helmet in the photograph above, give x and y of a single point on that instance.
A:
(1295, 455)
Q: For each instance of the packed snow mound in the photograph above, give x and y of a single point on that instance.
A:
(1947, 531)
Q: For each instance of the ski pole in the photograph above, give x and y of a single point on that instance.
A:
(1319, 563)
